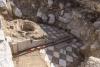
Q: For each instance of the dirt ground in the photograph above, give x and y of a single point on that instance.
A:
(29, 60)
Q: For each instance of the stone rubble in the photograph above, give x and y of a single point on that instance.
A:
(51, 19)
(17, 12)
(91, 62)
(65, 14)
(3, 4)
(79, 17)
(5, 50)
(50, 34)
(56, 56)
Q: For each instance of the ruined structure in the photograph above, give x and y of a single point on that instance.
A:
(65, 31)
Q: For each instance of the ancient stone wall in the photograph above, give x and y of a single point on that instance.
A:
(74, 15)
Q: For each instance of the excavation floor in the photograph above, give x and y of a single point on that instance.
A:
(29, 60)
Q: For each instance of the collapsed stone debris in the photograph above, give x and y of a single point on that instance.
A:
(69, 26)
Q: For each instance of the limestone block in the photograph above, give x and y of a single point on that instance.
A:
(66, 18)
(52, 65)
(62, 19)
(21, 45)
(9, 39)
(75, 32)
(44, 18)
(51, 19)
(69, 58)
(97, 24)
(3, 3)
(61, 5)
(50, 3)
(33, 5)
(50, 48)
(6, 63)
(2, 51)
(91, 62)
(69, 49)
(56, 54)
(17, 12)
(48, 59)
(95, 46)
(62, 62)
(2, 35)
(14, 47)
(62, 12)
(39, 13)
(5, 52)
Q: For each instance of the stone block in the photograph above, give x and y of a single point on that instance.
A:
(2, 35)
(62, 62)
(48, 59)
(17, 12)
(50, 3)
(52, 65)
(51, 19)
(51, 48)
(3, 4)
(69, 49)
(20, 46)
(95, 46)
(75, 32)
(69, 58)
(97, 24)
(56, 54)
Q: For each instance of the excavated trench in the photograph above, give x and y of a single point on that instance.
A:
(66, 32)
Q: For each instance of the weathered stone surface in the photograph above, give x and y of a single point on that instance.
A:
(1, 37)
(91, 61)
(20, 43)
(62, 63)
(97, 24)
(5, 50)
(64, 56)
(69, 49)
(50, 3)
(3, 4)
(56, 54)
(65, 14)
(69, 58)
(79, 17)
(51, 19)
(22, 27)
(95, 46)
(17, 12)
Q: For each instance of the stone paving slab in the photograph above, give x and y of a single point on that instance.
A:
(63, 54)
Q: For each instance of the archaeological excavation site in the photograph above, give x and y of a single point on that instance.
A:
(49, 33)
